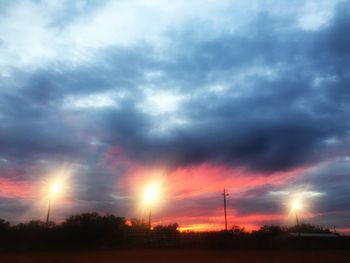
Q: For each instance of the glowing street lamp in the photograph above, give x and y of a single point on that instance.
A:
(151, 194)
(55, 188)
(296, 206)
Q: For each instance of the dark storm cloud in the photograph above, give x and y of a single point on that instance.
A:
(33, 120)
(28, 129)
(272, 124)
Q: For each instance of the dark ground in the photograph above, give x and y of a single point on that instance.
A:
(178, 256)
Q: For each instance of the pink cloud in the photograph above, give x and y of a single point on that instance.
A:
(17, 189)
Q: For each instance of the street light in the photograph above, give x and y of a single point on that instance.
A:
(151, 194)
(296, 206)
(55, 188)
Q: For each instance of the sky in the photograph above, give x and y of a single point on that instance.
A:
(192, 96)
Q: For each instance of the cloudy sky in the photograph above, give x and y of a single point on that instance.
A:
(197, 96)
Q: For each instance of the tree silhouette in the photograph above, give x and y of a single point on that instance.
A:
(138, 225)
(307, 228)
(4, 230)
(237, 229)
(271, 230)
(4, 226)
(92, 229)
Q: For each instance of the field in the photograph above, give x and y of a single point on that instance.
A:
(178, 256)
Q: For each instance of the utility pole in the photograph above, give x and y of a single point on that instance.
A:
(225, 194)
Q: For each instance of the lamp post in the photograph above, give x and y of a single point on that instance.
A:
(296, 217)
(151, 195)
(54, 190)
(48, 211)
(296, 205)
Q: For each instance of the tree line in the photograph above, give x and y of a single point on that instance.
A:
(92, 230)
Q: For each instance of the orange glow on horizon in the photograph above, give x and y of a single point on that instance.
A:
(212, 227)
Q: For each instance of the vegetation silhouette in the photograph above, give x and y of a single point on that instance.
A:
(95, 231)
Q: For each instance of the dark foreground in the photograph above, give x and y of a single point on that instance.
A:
(181, 256)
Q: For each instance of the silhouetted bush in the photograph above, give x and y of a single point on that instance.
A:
(269, 232)
(138, 225)
(91, 229)
(165, 236)
(33, 234)
(237, 229)
(166, 230)
(4, 230)
(307, 228)
(4, 226)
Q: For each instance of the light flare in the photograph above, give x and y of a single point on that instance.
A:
(296, 205)
(56, 187)
(152, 193)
